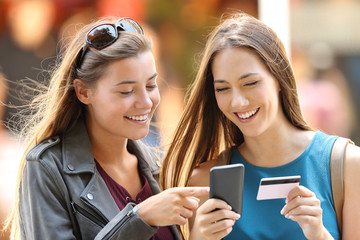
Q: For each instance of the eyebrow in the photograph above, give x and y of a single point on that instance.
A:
(133, 82)
(240, 78)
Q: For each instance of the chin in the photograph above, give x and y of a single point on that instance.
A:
(138, 136)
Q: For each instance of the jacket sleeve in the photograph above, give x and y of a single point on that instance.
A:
(127, 225)
(44, 213)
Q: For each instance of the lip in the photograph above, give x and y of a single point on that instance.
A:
(140, 118)
(253, 113)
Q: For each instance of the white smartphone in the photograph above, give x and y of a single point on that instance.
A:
(227, 183)
(277, 187)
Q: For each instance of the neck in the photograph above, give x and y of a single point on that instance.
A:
(277, 147)
(107, 148)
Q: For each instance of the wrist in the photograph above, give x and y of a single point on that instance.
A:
(325, 235)
(142, 213)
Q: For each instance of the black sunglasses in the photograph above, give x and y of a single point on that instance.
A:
(104, 35)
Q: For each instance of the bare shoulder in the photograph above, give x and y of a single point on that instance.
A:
(351, 210)
(352, 155)
(352, 164)
(200, 175)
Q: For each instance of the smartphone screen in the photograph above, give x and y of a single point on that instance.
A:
(227, 183)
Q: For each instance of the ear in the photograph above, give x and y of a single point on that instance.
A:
(82, 91)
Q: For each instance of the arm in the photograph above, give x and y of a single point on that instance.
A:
(172, 206)
(125, 224)
(351, 210)
(43, 210)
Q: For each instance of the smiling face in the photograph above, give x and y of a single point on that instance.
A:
(246, 92)
(123, 100)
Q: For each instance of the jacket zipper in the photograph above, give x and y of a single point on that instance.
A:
(119, 224)
(77, 208)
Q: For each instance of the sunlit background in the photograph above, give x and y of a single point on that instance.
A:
(322, 38)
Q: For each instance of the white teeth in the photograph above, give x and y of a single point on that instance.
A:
(138, 118)
(248, 114)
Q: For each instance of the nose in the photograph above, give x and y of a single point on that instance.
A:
(239, 100)
(144, 100)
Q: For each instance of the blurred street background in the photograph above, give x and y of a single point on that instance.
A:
(322, 38)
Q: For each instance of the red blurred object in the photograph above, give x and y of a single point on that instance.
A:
(135, 9)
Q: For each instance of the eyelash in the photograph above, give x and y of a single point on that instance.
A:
(251, 83)
(247, 84)
(127, 93)
(151, 87)
(221, 89)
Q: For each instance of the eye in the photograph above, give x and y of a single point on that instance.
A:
(126, 92)
(251, 83)
(221, 89)
(153, 86)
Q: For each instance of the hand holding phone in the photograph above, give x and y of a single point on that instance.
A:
(227, 184)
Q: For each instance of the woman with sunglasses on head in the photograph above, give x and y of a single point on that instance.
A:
(85, 175)
(244, 99)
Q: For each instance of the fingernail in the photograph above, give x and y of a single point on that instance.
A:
(237, 216)
(229, 207)
(282, 211)
(287, 216)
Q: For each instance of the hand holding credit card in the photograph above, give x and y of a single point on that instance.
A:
(277, 187)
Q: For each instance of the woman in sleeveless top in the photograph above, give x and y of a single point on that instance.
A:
(244, 95)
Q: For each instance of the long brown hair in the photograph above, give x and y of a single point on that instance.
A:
(203, 130)
(57, 109)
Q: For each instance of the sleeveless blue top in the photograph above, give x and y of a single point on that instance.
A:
(261, 219)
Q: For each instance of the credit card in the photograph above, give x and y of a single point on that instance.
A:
(277, 187)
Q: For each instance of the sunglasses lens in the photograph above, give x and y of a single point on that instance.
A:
(130, 25)
(105, 34)
(102, 35)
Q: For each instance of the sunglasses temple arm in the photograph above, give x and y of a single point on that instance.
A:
(80, 56)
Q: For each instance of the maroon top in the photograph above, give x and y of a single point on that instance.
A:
(122, 198)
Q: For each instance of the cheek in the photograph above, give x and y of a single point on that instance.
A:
(155, 98)
(222, 102)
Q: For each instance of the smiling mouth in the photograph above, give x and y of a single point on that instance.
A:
(248, 114)
(138, 118)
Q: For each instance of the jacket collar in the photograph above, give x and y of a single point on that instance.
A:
(78, 157)
(77, 151)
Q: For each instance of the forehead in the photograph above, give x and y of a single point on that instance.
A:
(233, 63)
(237, 59)
(135, 68)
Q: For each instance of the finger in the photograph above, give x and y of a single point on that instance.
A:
(220, 215)
(186, 213)
(214, 228)
(299, 191)
(298, 202)
(191, 203)
(223, 233)
(222, 225)
(212, 204)
(219, 229)
(305, 210)
(180, 220)
(192, 191)
(301, 219)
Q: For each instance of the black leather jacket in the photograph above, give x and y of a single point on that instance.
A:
(63, 196)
